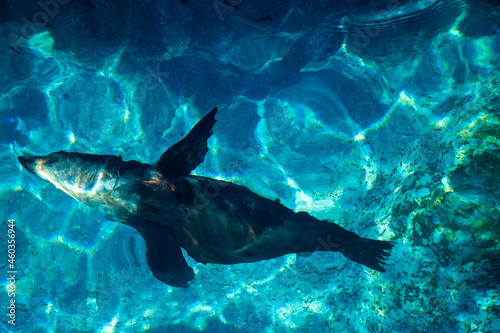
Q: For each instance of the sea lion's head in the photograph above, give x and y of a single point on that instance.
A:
(79, 175)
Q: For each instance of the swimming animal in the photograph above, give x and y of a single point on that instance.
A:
(213, 220)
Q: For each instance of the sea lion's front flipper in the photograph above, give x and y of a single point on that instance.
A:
(185, 155)
(165, 257)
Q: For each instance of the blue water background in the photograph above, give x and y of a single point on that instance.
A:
(382, 116)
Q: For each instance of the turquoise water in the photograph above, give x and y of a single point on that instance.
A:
(382, 117)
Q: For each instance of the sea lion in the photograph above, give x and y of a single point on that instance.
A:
(213, 220)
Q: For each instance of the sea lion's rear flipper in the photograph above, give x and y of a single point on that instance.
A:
(369, 252)
(183, 157)
(165, 257)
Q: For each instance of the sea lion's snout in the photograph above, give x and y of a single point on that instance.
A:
(28, 163)
(32, 163)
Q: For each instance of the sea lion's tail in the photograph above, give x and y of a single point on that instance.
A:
(369, 252)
